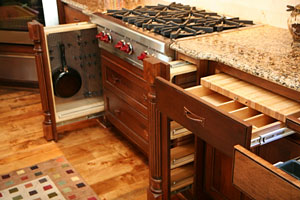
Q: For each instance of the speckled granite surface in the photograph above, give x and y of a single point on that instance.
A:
(90, 6)
(263, 51)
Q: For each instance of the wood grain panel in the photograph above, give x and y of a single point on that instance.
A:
(261, 180)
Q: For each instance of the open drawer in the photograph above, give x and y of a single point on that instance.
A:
(260, 179)
(227, 111)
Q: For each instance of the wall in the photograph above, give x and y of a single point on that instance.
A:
(271, 12)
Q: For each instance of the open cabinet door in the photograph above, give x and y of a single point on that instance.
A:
(69, 73)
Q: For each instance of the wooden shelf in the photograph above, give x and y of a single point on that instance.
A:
(182, 155)
(78, 108)
(177, 131)
(182, 177)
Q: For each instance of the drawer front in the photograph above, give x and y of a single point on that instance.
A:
(210, 124)
(129, 87)
(128, 120)
(260, 179)
(74, 16)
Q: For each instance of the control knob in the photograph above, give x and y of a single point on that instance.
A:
(127, 48)
(100, 35)
(107, 38)
(120, 44)
(142, 56)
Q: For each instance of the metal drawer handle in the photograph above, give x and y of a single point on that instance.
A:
(76, 19)
(193, 116)
(117, 112)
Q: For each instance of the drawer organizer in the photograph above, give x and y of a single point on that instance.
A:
(223, 111)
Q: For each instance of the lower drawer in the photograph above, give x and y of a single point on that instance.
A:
(260, 179)
(127, 119)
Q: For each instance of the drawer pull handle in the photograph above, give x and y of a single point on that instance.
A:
(115, 79)
(76, 20)
(117, 112)
(145, 97)
(193, 116)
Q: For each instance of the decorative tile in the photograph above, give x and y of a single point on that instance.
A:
(33, 192)
(51, 195)
(70, 171)
(43, 180)
(19, 197)
(75, 178)
(8, 183)
(34, 167)
(67, 189)
(60, 160)
(61, 183)
(28, 185)
(23, 178)
(65, 165)
(72, 197)
(47, 187)
(6, 176)
(38, 173)
(80, 185)
(20, 172)
(13, 190)
(56, 176)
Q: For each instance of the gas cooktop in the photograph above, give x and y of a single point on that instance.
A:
(177, 20)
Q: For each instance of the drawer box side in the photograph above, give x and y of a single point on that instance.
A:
(260, 179)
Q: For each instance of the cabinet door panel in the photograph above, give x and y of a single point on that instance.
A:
(127, 85)
(128, 120)
(218, 175)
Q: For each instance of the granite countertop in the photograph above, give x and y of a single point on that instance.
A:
(91, 6)
(263, 51)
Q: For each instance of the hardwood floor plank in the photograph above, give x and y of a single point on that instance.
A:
(105, 159)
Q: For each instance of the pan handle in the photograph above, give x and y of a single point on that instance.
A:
(63, 57)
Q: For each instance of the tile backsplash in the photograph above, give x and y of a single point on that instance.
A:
(272, 12)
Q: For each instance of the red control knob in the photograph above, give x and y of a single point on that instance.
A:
(142, 56)
(100, 35)
(127, 48)
(107, 38)
(120, 44)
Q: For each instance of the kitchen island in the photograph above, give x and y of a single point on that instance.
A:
(258, 58)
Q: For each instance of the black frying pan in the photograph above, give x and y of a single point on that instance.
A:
(66, 81)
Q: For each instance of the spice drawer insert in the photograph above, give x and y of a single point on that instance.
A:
(260, 179)
(182, 178)
(269, 103)
(177, 130)
(181, 155)
(265, 129)
(220, 120)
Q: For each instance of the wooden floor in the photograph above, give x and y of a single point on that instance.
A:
(107, 162)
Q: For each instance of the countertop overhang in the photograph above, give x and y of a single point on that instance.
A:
(263, 51)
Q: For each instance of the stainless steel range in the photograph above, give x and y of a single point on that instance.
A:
(149, 30)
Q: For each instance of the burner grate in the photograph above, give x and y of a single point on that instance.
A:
(177, 20)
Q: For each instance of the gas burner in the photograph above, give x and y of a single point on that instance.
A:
(177, 20)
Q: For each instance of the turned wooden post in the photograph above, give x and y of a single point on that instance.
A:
(36, 32)
(152, 68)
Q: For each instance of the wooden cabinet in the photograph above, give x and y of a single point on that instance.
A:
(222, 111)
(125, 95)
(73, 15)
(83, 55)
(70, 14)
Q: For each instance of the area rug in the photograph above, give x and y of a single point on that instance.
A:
(55, 179)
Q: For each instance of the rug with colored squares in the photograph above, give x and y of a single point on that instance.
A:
(55, 179)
